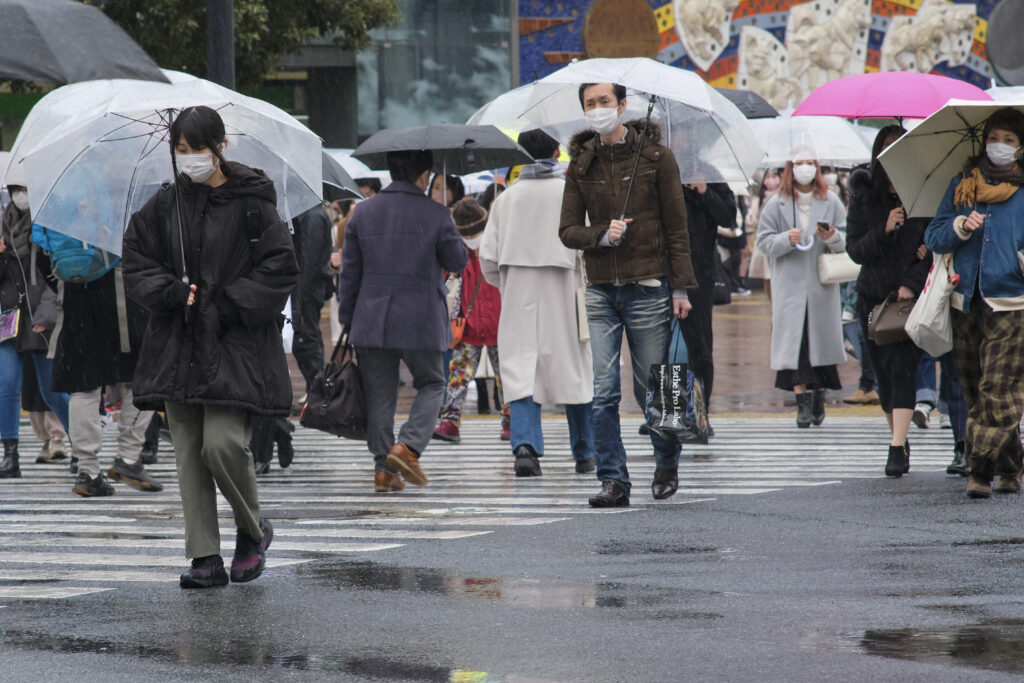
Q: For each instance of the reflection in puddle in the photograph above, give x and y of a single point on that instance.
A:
(997, 646)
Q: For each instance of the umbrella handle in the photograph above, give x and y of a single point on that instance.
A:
(636, 163)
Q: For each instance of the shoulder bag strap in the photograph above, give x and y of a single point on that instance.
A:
(472, 299)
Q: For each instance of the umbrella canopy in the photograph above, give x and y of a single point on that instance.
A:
(1004, 93)
(709, 136)
(923, 161)
(506, 110)
(750, 103)
(100, 150)
(887, 95)
(62, 41)
(458, 149)
(356, 168)
(835, 141)
(338, 184)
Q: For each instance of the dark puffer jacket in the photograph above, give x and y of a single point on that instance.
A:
(226, 349)
(887, 261)
(37, 299)
(595, 185)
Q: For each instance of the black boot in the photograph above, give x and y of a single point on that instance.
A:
(9, 465)
(818, 407)
(803, 410)
(898, 463)
(665, 484)
(959, 464)
(527, 461)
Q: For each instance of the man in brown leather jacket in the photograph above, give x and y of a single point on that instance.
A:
(638, 269)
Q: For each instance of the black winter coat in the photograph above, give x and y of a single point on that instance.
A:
(88, 353)
(887, 261)
(37, 301)
(226, 349)
(704, 213)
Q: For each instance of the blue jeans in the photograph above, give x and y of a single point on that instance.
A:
(644, 314)
(926, 380)
(952, 395)
(525, 427)
(10, 390)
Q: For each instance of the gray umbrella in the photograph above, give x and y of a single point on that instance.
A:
(338, 184)
(458, 149)
(62, 41)
(750, 103)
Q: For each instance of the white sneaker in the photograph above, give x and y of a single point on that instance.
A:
(921, 413)
(944, 422)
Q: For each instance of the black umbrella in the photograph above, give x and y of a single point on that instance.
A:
(338, 184)
(750, 103)
(458, 149)
(62, 41)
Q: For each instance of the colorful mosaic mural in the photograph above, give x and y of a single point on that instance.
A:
(781, 49)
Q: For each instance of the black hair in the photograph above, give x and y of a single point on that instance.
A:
(879, 178)
(408, 165)
(1005, 119)
(372, 183)
(619, 90)
(538, 144)
(200, 127)
(488, 196)
(454, 184)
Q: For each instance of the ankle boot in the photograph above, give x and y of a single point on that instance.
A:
(898, 463)
(803, 410)
(818, 407)
(9, 465)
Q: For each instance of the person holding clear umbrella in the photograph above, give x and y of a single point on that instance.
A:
(211, 259)
(803, 220)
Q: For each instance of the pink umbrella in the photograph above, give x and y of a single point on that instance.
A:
(887, 95)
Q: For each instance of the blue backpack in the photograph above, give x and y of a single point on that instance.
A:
(72, 259)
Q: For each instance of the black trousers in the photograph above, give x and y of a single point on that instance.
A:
(698, 335)
(308, 342)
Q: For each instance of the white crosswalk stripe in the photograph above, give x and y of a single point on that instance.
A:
(52, 540)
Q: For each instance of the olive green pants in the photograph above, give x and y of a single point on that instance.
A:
(211, 449)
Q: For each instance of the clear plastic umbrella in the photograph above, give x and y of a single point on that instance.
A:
(835, 141)
(87, 173)
(711, 139)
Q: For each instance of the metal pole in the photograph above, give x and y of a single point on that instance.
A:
(220, 42)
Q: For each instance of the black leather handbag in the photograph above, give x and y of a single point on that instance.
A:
(335, 403)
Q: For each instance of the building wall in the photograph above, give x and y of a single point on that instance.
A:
(781, 49)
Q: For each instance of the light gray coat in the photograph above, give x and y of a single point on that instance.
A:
(796, 289)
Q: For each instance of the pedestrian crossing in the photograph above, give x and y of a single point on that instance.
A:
(57, 545)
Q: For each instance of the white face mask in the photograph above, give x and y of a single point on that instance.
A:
(474, 242)
(20, 199)
(804, 174)
(603, 120)
(198, 167)
(1001, 154)
(832, 178)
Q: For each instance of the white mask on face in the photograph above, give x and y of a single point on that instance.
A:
(1001, 154)
(20, 199)
(474, 242)
(804, 174)
(603, 120)
(198, 167)
(832, 178)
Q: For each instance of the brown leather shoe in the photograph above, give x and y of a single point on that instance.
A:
(978, 487)
(403, 459)
(1008, 483)
(387, 482)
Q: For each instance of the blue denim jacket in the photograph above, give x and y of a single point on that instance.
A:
(993, 252)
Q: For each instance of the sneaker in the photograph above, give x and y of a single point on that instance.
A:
(251, 555)
(447, 431)
(52, 451)
(134, 475)
(921, 413)
(205, 572)
(944, 422)
(147, 456)
(741, 291)
(89, 487)
(586, 466)
(407, 463)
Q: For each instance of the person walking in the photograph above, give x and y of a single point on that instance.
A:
(980, 222)
(638, 269)
(26, 293)
(894, 261)
(802, 221)
(543, 359)
(213, 262)
(312, 239)
(391, 300)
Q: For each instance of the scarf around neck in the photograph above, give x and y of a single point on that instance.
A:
(541, 170)
(976, 187)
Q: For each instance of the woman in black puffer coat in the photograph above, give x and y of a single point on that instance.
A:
(214, 264)
(890, 249)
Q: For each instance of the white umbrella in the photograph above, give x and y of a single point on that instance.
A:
(923, 161)
(835, 141)
(711, 139)
(98, 151)
(356, 168)
(1007, 93)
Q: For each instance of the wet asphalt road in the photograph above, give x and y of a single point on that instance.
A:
(746, 576)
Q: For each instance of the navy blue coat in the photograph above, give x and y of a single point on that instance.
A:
(391, 292)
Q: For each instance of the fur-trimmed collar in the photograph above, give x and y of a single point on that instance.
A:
(586, 140)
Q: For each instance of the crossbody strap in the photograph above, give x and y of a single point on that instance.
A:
(472, 299)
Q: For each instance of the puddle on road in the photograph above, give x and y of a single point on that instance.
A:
(996, 645)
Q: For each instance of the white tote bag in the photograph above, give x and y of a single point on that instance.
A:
(930, 324)
(836, 268)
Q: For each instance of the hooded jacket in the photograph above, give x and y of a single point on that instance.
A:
(225, 349)
(888, 261)
(19, 289)
(656, 243)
